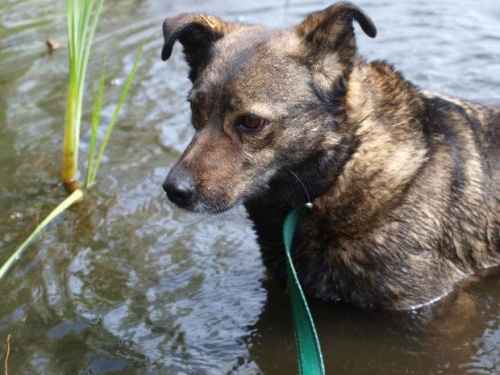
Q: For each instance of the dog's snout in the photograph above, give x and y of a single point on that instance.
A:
(180, 187)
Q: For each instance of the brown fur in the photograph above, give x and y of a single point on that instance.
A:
(404, 182)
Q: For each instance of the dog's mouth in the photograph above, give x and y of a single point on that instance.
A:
(184, 194)
(202, 206)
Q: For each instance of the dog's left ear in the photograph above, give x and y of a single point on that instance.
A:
(328, 36)
(197, 33)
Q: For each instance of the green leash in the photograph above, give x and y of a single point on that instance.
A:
(306, 339)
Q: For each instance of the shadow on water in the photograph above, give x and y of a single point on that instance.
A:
(458, 335)
(127, 284)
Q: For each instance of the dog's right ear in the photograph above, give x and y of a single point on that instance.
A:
(197, 33)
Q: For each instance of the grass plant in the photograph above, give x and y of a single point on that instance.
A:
(82, 21)
(82, 18)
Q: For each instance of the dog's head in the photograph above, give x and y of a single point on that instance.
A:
(262, 101)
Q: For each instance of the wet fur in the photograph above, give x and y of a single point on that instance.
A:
(404, 182)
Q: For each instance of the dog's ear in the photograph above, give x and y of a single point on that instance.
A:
(197, 33)
(328, 35)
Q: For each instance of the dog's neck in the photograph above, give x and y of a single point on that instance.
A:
(376, 173)
(354, 182)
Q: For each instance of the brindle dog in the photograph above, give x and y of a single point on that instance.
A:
(404, 182)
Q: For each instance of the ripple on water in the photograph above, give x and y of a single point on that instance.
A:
(128, 284)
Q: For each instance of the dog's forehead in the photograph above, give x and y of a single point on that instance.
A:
(253, 62)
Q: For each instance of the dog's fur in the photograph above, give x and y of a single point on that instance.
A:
(404, 182)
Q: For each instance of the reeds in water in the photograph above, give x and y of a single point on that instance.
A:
(82, 18)
(82, 23)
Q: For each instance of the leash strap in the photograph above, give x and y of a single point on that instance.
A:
(306, 339)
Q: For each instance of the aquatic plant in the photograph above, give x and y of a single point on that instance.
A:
(80, 37)
(80, 14)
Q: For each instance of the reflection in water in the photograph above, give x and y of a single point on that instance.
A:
(126, 284)
(460, 334)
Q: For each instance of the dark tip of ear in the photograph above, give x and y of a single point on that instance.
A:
(166, 51)
(193, 30)
(355, 13)
(170, 38)
(336, 13)
(366, 24)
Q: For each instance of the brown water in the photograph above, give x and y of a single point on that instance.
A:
(126, 284)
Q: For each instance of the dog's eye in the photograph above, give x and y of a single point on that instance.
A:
(196, 115)
(250, 123)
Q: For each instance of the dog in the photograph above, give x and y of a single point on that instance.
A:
(403, 182)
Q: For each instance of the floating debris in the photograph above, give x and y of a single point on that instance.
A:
(52, 45)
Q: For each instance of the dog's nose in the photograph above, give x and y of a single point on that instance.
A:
(179, 187)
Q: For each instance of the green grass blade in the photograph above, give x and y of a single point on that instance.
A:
(90, 36)
(96, 119)
(121, 100)
(82, 18)
(85, 8)
(69, 163)
(69, 24)
(87, 37)
(70, 200)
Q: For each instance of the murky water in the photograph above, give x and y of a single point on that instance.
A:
(126, 284)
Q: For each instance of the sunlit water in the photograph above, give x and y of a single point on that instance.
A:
(127, 284)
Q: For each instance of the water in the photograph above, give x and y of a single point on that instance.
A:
(127, 284)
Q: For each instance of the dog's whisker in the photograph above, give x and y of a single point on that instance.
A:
(303, 185)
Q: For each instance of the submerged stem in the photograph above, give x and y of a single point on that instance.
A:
(70, 200)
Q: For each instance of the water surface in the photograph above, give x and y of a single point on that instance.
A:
(127, 284)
